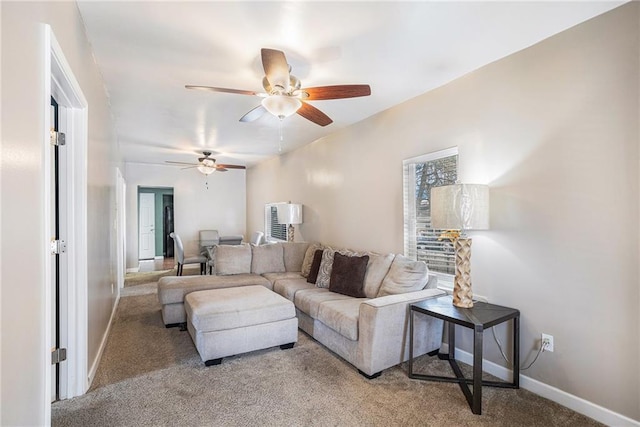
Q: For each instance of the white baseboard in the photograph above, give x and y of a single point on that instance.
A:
(578, 404)
(133, 270)
(158, 257)
(103, 343)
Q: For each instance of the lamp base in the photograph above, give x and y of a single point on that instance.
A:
(290, 233)
(462, 293)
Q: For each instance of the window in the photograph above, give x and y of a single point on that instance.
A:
(420, 240)
(273, 230)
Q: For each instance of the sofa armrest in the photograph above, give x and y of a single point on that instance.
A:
(383, 327)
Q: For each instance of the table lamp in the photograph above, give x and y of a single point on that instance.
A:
(461, 207)
(290, 213)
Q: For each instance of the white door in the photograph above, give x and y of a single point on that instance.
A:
(147, 212)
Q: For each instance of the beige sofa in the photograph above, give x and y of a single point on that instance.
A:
(371, 331)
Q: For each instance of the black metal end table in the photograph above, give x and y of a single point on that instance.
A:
(480, 317)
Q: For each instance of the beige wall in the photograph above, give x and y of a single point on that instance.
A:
(24, 397)
(554, 131)
(220, 207)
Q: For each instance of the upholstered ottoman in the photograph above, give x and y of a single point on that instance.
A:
(229, 321)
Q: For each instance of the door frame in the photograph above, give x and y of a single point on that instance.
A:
(60, 82)
(121, 250)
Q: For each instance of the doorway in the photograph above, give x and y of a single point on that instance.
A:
(72, 331)
(155, 222)
(58, 198)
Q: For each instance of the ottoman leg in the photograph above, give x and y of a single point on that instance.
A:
(213, 362)
(287, 346)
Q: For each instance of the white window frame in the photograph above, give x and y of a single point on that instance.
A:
(267, 224)
(409, 208)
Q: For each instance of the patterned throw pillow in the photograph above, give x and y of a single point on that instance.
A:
(324, 274)
(308, 258)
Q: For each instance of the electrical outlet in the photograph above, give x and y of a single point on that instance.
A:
(548, 340)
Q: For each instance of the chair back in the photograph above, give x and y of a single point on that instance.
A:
(256, 237)
(179, 248)
(208, 238)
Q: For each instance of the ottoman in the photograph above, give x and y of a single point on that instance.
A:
(230, 321)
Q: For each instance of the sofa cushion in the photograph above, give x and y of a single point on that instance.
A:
(172, 289)
(405, 275)
(342, 316)
(273, 277)
(294, 253)
(288, 287)
(324, 274)
(309, 300)
(347, 275)
(315, 267)
(308, 258)
(377, 269)
(267, 259)
(232, 259)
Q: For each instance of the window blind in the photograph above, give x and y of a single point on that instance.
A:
(273, 229)
(421, 242)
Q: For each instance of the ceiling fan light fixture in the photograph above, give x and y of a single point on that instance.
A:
(281, 106)
(207, 170)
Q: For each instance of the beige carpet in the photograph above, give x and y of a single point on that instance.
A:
(153, 376)
(134, 279)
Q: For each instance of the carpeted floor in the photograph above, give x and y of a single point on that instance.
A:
(140, 278)
(153, 376)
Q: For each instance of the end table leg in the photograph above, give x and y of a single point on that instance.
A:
(410, 342)
(477, 370)
(516, 352)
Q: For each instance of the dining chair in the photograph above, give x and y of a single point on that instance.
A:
(208, 238)
(198, 259)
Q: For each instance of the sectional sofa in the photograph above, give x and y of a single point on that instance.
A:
(354, 303)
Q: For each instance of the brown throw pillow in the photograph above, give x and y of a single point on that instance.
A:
(315, 266)
(347, 275)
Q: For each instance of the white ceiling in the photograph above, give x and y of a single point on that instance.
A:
(148, 51)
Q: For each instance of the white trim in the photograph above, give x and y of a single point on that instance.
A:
(133, 270)
(575, 403)
(60, 82)
(103, 343)
(447, 152)
(120, 228)
(158, 257)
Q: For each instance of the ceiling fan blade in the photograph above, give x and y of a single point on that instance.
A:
(230, 166)
(310, 112)
(222, 89)
(190, 167)
(276, 68)
(254, 114)
(219, 169)
(180, 163)
(336, 92)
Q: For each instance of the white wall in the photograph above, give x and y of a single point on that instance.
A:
(221, 207)
(553, 130)
(24, 398)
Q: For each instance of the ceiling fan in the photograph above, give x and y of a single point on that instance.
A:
(284, 96)
(207, 164)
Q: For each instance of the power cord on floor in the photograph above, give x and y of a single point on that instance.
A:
(543, 346)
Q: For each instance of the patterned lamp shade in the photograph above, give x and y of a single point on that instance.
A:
(460, 207)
